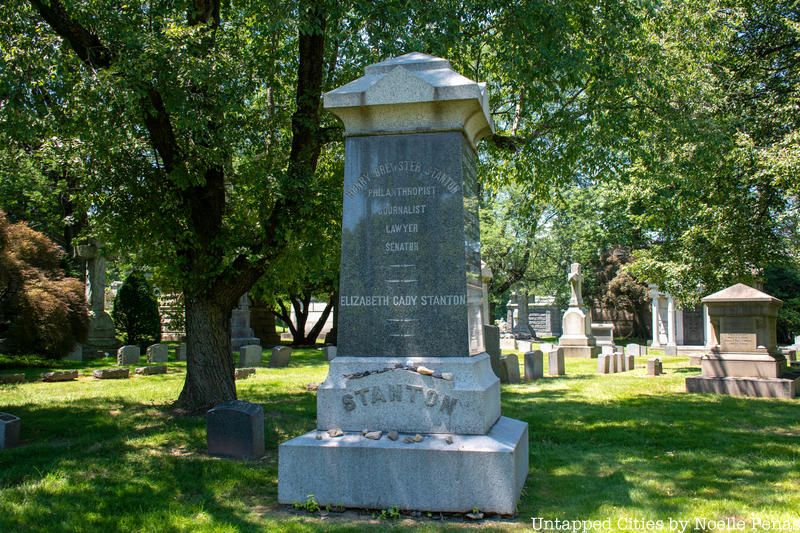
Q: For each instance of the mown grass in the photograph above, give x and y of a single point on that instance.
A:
(108, 455)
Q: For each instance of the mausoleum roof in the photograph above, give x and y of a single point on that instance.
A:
(740, 293)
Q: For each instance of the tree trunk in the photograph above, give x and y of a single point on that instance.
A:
(209, 369)
(311, 339)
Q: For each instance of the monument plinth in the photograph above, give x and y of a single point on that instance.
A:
(410, 356)
(743, 359)
(102, 332)
(577, 339)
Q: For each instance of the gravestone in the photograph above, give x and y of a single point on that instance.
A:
(521, 329)
(635, 349)
(330, 352)
(524, 346)
(280, 356)
(791, 355)
(555, 362)
(411, 355)
(654, 367)
(250, 355)
(262, 322)
(630, 362)
(621, 362)
(603, 334)
(693, 326)
(111, 373)
(128, 355)
(12, 379)
(10, 427)
(603, 363)
(491, 339)
(577, 340)
(157, 353)
(607, 349)
(512, 368)
(181, 352)
(743, 359)
(61, 375)
(612, 363)
(241, 332)
(76, 354)
(534, 365)
(235, 429)
(151, 370)
(508, 343)
(102, 333)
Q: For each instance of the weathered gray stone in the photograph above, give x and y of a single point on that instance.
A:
(63, 375)
(654, 367)
(534, 365)
(508, 343)
(10, 427)
(555, 361)
(111, 373)
(392, 397)
(244, 373)
(743, 345)
(430, 475)
(512, 368)
(157, 353)
(128, 355)
(241, 332)
(635, 349)
(491, 338)
(280, 356)
(181, 352)
(791, 354)
(330, 352)
(577, 340)
(151, 370)
(630, 362)
(603, 363)
(621, 362)
(235, 429)
(410, 296)
(250, 355)
(603, 334)
(11, 379)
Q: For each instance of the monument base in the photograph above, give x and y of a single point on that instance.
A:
(586, 352)
(764, 365)
(486, 472)
(386, 393)
(785, 387)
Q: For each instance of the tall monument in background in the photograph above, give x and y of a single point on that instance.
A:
(411, 367)
(577, 339)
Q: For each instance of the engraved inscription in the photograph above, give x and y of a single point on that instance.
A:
(398, 393)
(743, 342)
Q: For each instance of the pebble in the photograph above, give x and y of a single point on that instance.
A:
(474, 516)
(335, 432)
(425, 371)
(417, 438)
(311, 387)
(447, 376)
(393, 435)
(319, 435)
(374, 435)
(449, 439)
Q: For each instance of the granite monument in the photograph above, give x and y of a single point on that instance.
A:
(577, 340)
(410, 360)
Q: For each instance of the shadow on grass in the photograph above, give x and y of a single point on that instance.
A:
(665, 449)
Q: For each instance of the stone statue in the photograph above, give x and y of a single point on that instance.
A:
(575, 283)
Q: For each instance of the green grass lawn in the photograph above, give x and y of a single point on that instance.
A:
(107, 455)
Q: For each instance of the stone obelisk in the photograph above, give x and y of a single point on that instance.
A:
(411, 368)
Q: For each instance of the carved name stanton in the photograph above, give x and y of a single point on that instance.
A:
(399, 393)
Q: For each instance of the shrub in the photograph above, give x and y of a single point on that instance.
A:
(136, 311)
(41, 310)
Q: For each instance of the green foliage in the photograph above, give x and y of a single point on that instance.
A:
(782, 280)
(41, 310)
(136, 311)
(309, 506)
